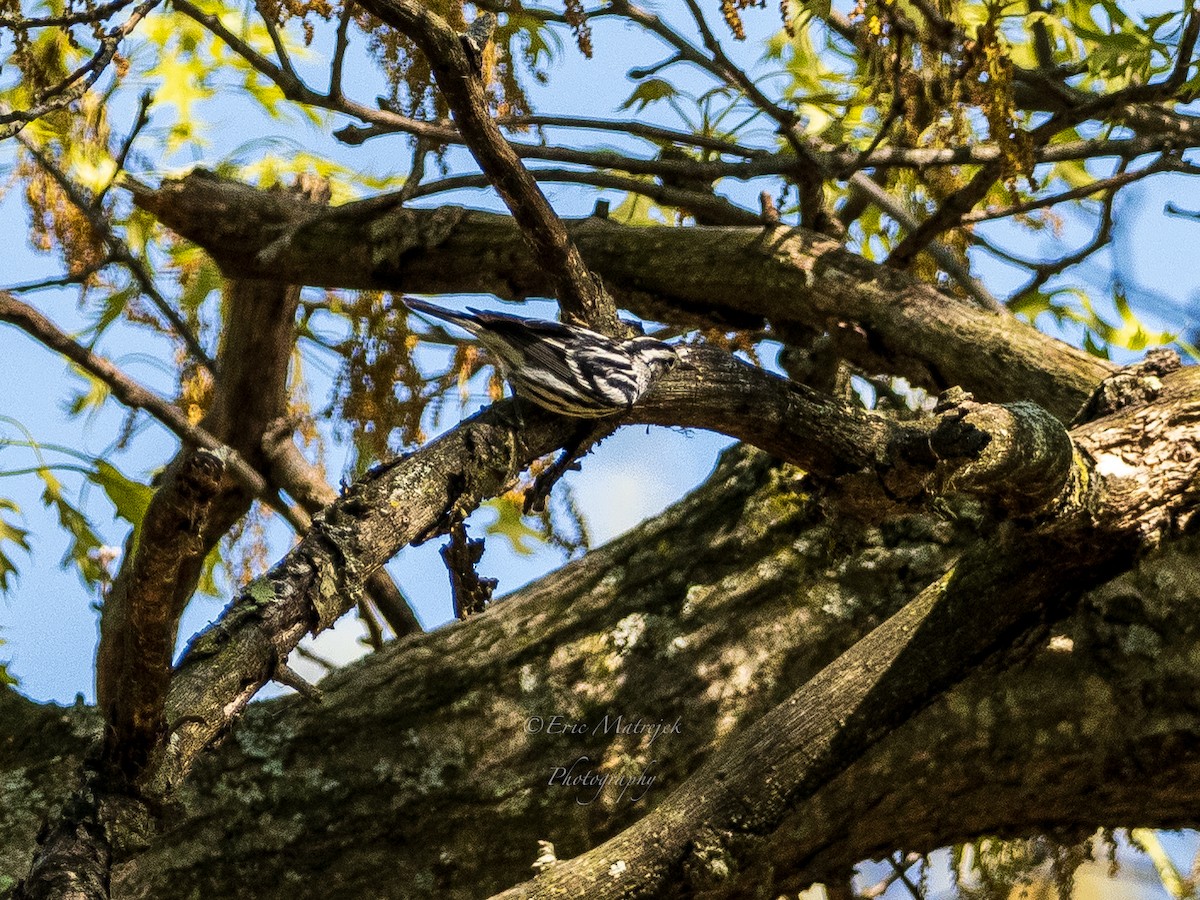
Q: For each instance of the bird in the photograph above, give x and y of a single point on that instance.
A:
(475, 40)
(566, 369)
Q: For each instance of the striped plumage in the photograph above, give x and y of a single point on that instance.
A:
(563, 368)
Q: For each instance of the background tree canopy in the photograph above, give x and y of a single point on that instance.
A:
(940, 593)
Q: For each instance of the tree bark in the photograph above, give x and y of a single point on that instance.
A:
(418, 776)
(884, 320)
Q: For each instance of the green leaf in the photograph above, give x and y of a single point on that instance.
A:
(1090, 345)
(13, 534)
(5, 681)
(533, 36)
(650, 91)
(131, 498)
(92, 398)
(510, 524)
(637, 210)
(83, 539)
(207, 584)
(1031, 305)
(111, 309)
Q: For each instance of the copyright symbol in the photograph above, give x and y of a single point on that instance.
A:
(533, 725)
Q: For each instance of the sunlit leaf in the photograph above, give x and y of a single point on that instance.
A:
(92, 398)
(129, 497)
(650, 91)
(510, 524)
(83, 539)
(13, 534)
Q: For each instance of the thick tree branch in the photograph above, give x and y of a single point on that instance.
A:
(768, 614)
(188, 513)
(136, 662)
(322, 577)
(698, 837)
(704, 831)
(302, 480)
(701, 275)
(1017, 454)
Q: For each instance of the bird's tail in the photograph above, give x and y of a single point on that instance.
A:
(460, 319)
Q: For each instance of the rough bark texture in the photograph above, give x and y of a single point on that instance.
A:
(418, 775)
(883, 319)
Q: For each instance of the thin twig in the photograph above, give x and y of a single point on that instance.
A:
(416, 172)
(285, 61)
(339, 51)
(78, 82)
(305, 653)
(962, 201)
(723, 66)
(902, 875)
(943, 255)
(581, 294)
(143, 118)
(94, 15)
(65, 281)
(133, 395)
(637, 129)
(1043, 272)
(120, 252)
(715, 208)
(374, 632)
(1113, 182)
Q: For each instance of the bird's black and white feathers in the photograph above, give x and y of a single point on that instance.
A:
(564, 368)
(475, 39)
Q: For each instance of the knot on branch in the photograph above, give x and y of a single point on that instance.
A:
(1017, 453)
(1134, 385)
(955, 436)
(200, 477)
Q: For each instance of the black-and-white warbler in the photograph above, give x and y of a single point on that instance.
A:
(476, 38)
(563, 368)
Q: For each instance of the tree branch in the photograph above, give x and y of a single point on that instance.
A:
(322, 577)
(944, 256)
(716, 210)
(736, 275)
(579, 292)
(119, 251)
(1112, 183)
(296, 475)
(705, 830)
(78, 82)
(133, 395)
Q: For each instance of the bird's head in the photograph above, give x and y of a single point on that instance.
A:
(659, 357)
